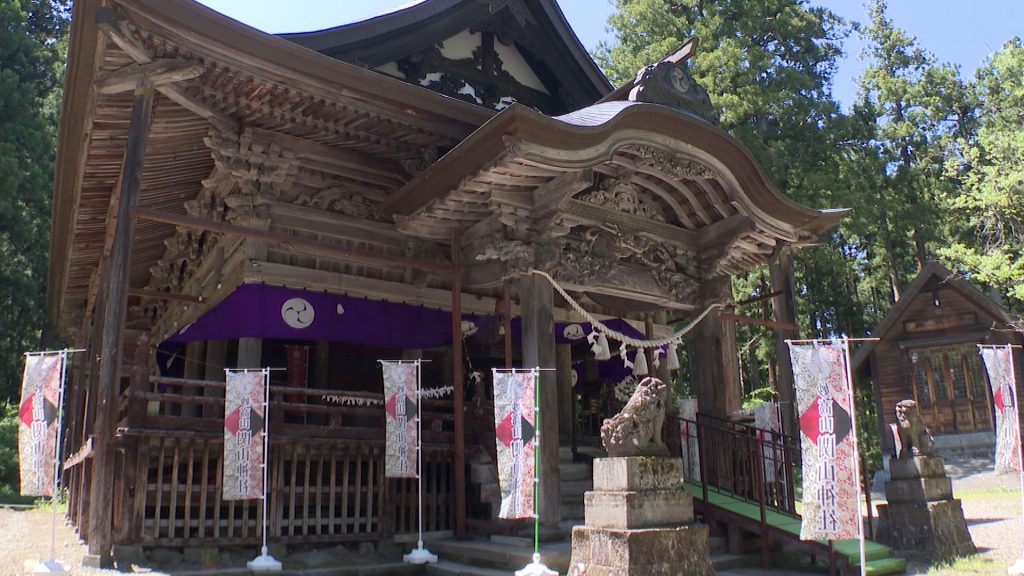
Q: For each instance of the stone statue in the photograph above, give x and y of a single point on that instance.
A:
(636, 430)
(910, 435)
(670, 84)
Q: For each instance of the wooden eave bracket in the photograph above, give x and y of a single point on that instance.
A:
(157, 73)
(118, 29)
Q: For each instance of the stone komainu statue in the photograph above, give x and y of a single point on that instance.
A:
(910, 436)
(636, 430)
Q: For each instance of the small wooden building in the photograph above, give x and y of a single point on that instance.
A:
(235, 199)
(928, 352)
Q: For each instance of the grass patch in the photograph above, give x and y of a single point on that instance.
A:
(987, 494)
(974, 564)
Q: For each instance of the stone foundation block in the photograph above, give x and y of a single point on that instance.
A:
(933, 530)
(919, 490)
(637, 473)
(916, 467)
(629, 509)
(650, 552)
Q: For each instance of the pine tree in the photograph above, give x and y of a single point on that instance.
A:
(31, 34)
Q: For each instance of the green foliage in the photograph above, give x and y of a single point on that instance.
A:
(31, 43)
(988, 169)
(9, 475)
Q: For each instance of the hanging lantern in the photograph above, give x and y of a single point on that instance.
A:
(640, 363)
(600, 348)
(672, 358)
(625, 359)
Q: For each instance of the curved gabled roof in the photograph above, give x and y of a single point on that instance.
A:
(706, 186)
(395, 35)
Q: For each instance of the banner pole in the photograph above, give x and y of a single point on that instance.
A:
(856, 453)
(536, 466)
(265, 562)
(536, 568)
(419, 451)
(420, 555)
(1018, 566)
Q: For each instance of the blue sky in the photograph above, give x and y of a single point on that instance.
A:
(955, 31)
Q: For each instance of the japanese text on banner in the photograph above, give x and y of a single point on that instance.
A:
(37, 423)
(514, 430)
(400, 414)
(827, 444)
(243, 442)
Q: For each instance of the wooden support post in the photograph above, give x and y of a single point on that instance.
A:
(116, 282)
(563, 362)
(216, 360)
(780, 269)
(536, 300)
(139, 383)
(195, 355)
(457, 380)
(715, 366)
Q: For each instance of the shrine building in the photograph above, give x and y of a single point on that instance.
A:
(453, 181)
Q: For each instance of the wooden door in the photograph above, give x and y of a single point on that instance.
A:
(951, 389)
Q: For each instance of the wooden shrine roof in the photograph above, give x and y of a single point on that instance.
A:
(702, 189)
(357, 126)
(537, 28)
(932, 272)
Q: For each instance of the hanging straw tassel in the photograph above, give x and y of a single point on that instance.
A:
(640, 363)
(600, 348)
(672, 357)
(657, 357)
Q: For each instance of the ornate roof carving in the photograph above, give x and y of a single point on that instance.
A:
(670, 84)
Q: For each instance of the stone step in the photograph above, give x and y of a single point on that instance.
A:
(574, 487)
(572, 511)
(716, 544)
(486, 554)
(725, 561)
(574, 471)
(449, 568)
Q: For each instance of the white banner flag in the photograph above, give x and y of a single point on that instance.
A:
(244, 418)
(999, 365)
(37, 422)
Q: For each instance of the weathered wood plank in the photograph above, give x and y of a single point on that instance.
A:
(116, 283)
(156, 73)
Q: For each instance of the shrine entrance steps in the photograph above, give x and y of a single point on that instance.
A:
(777, 537)
(484, 557)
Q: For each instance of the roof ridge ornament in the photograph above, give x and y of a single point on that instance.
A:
(670, 83)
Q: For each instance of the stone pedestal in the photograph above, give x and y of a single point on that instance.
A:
(922, 517)
(639, 520)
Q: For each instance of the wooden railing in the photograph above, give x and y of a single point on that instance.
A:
(753, 464)
(326, 478)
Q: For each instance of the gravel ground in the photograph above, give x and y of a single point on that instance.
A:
(991, 506)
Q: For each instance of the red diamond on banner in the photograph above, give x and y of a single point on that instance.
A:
(25, 411)
(809, 425)
(503, 430)
(391, 409)
(231, 421)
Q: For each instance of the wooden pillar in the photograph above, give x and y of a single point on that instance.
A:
(250, 353)
(457, 379)
(563, 362)
(213, 371)
(195, 356)
(780, 269)
(322, 364)
(536, 300)
(116, 282)
(715, 363)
